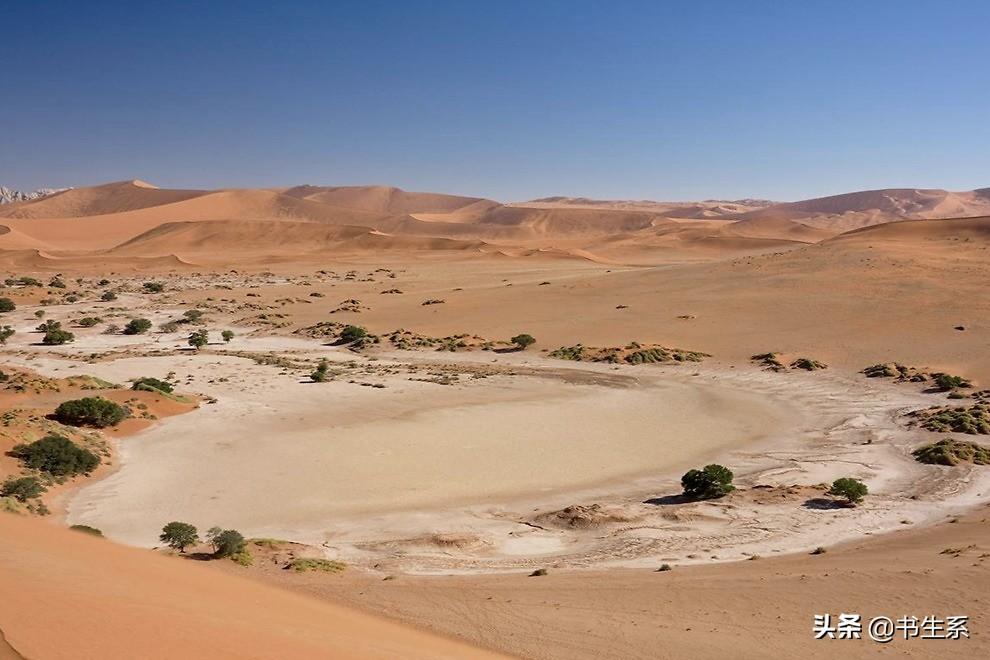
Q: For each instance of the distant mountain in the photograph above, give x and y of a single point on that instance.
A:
(9, 196)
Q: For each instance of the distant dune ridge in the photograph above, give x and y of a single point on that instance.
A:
(134, 219)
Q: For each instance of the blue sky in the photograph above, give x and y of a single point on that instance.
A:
(510, 100)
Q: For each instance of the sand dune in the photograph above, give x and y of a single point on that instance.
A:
(69, 595)
(386, 199)
(108, 198)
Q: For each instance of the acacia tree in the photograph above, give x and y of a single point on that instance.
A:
(227, 335)
(199, 339)
(707, 483)
(853, 490)
(179, 535)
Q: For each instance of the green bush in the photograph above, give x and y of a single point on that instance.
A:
(137, 326)
(322, 373)
(153, 287)
(89, 321)
(352, 333)
(56, 283)
(179, 535)
(227, 335)
(6, 332)
(710, 482)
(304, 564)
(226, 542)
(199, 339)
(808, 364)
(522, 341)
(7, 305)
(149, 384)
(952, 452)
(90, 411)
(22, 489)
(853, 490)
(948, 382)
(108, 296)
(56, 455)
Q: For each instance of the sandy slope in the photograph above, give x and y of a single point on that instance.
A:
(69, 595)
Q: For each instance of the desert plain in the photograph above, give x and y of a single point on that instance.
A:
(474, 417)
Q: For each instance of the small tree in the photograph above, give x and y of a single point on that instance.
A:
(56, 336)
(137, 326)
(225, 542)
(708, 483)
(6, 332)
(90, 411)
(199, 339)
(23, 488)
(352, 333)
(193, 315)
(853, 490)
(523, 341)
(7, 305)
(108, 296)
(153, 287)
(56, 455)
(227, 335)
(322, 373)
(179, 535)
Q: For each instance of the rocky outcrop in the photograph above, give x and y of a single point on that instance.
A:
(8, 196)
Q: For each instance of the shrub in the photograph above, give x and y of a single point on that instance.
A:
(948, 382)
(89, 321)
(710, 482)
(322, 374)
(149, 384)
(108, 296)
(153, 287)
(193, 315)
(304, 564)
(974, 420)
(56, 336)
(227, 335)
(103, 282)
(522, 341)
(23, 488)
(352, 333)
(168, 327)
(90, 411)
(86, 529)
(226, 542)
(7, 305)
(6, 332)
(137, 326)
(56, 455)
(853, 490)
(179, 535)
(199, 339)
(56, 283)
(952, 452)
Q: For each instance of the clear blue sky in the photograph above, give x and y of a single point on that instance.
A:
(510, 100)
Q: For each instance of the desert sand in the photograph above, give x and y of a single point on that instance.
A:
(442, 465)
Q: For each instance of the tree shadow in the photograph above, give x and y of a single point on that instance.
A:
(668, 500)
(196, 556)
(823, 504)
(509, 349)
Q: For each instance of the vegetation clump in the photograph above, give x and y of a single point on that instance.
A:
(56, 455)
(153, 287)
(198, 339)
(227, 335)
(22, 489)
(710, 482)
(54, 334)
(90, 411)
(6, 332)
(952, 452)
(769, 360)
(89, 321)
(352, 333)
(86, 529)
(148, 384)
(137, 327)
(632, 353)
(108, 296)
(305, 564)
(808, 364)
(853, 490)
(972, 420)
(226, 542)
(322, 372)
(7, 305)
(523, 341)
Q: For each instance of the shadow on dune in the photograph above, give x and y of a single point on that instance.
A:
(823, 504)
(668, 500)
